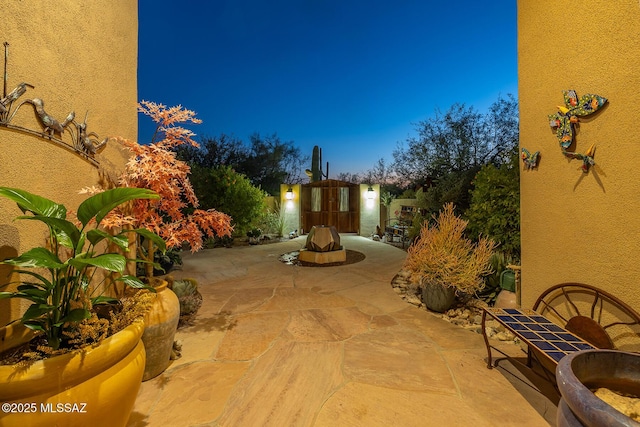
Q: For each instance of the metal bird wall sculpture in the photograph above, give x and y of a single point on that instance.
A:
(51, 125)
(87, 142)
(565, 119)
(83, 142)
(17, 92)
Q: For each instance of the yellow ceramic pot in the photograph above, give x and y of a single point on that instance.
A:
(94, 386)
(161, 323)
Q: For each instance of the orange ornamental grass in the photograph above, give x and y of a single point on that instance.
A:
(155, 166)
(443, 256)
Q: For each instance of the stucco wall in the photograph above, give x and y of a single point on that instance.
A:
(581, 227)
(396, 206)
(369, 210)
(291, 208)
(79, 56)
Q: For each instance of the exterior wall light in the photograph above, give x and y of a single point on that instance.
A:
(289, 194)
(370, 195)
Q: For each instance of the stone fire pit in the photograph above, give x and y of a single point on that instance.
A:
(323, 246)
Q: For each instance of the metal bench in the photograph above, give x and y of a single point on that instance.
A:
(590, 318)
(538, 332)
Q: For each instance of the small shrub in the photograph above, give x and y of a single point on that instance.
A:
(273, 220)
(443, 255)
(232, 193)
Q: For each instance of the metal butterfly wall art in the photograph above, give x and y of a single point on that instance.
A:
(565, 119)
(530, 160)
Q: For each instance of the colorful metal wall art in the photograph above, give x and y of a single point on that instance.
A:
(530, 160)
(565, 119)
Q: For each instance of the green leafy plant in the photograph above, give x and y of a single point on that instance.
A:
(163, 262)
(386, 198)
(232, 193)
(495, 206)
(491, 288)
(190, 298)
(273, 220)
(442, 255)
(64, 276)
(254, 232)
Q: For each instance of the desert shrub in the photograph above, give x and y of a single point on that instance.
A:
(443, 255)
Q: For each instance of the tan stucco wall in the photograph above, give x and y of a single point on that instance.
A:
(80, 56)
(581, 227)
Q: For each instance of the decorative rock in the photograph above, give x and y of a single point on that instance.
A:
(503, 336)
(467, 312)
(411, 299)
(176, 351)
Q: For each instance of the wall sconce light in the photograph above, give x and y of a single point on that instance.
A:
(370, 195)
(289, 194)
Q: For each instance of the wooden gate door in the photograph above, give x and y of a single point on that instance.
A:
(331, 202)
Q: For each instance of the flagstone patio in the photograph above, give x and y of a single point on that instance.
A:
(282, 345)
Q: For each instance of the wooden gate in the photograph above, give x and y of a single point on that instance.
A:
(331, 202)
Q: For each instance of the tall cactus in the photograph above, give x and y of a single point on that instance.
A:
(316, 173)
(316, 165)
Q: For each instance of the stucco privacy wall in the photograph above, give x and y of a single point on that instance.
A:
(80, 56)
(581, 227)
(369, 209)
(291, 207)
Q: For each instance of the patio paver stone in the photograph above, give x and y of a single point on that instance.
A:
(281, 345)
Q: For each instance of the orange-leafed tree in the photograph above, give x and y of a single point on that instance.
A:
(154, 166)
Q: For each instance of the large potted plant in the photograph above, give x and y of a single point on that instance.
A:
(442, 261)
(598, 388)
(73, 367)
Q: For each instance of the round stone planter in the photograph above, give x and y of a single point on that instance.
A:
(438, 298)
(161, 323)
(579, 373)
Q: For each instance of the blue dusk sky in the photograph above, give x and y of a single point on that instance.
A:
(353, 77)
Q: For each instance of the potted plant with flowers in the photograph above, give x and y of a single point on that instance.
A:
(67, 358)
